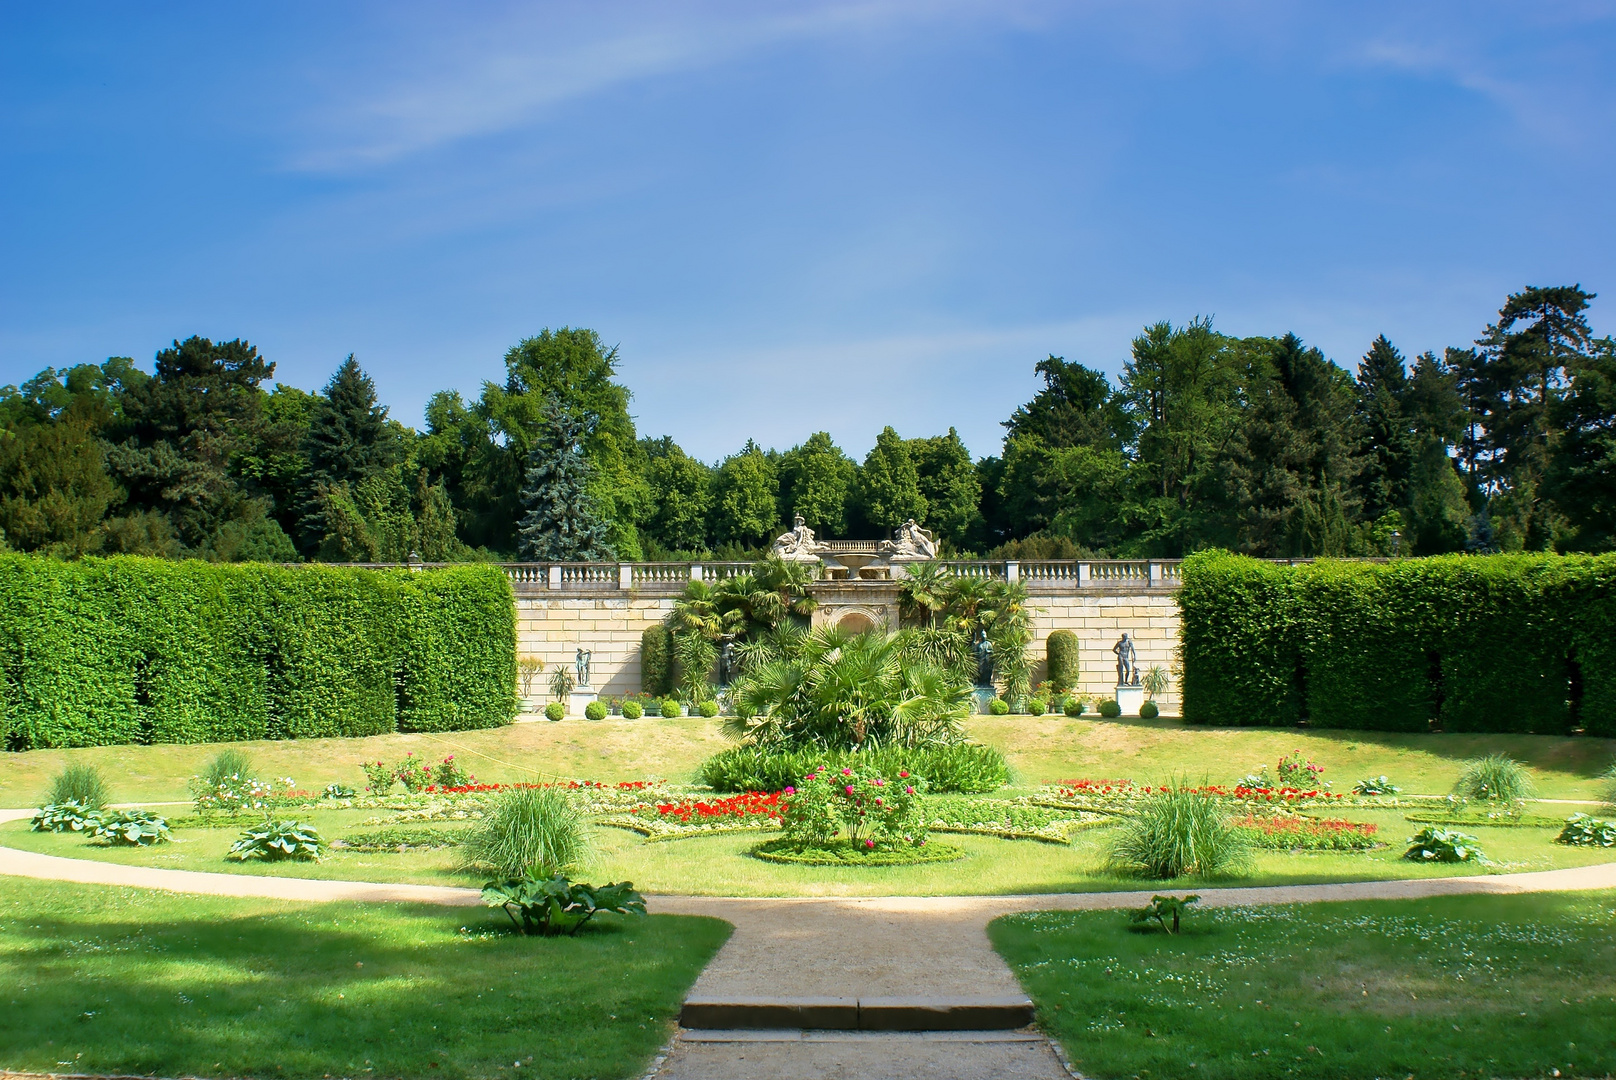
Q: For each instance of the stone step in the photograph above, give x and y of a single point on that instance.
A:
(859, 1014)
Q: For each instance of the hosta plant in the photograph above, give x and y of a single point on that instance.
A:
(1375, 785)
(69, 816)
(549, 906)
(132, 828)
(1589, 831)
(1443, 845)
(276, 840)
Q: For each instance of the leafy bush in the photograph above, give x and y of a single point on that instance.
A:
(999, 707)
(656, 661)
(709, 708)
(595, 710)
(875, 811)
(220, 652)
(131, 828)
(964, 768)
(1037, 706)
(1061, 653)
(69, 816)
(273, 841)
(555, 710)
(1075, 706)
(1110, 709)
(529, 831)
(1375, 785)
(404, 838)
(1497, 778)
(1149, 711)
(1586, 830)
(338, 791)
(1175, 833)
(1432, 844)
(632, 710)
(81, 784)
(236, 793)
(446, 774)
(556, 905)
(1162, 908)
(670, 708)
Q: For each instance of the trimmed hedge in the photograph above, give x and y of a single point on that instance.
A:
(656, 661)
(1062, 655)
(1496, 643)
(134, 650)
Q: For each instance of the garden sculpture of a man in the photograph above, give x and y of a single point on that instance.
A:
(1127, 662)
(984, 659)
(726, 663)
(582, 664)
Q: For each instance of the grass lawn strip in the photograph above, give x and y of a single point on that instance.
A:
(1452, 987)
(133, 981)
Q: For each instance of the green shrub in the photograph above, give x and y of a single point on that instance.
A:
(1149, 711)
(556, 905)
(876, 811)
(595, 710)
(1110, 709)
(656, 661)
(128, 828)
(274, 841)
(1495, 778)
(709, 708)
(1061, 654)
(1375, 785)
(536, 831)
(1239, 646)
(1075, 706)
(632, 710)
(999, 707)
(966, 768)
(1608, 794)
(1586, 830)
(1432, 844)
(670, 708)
(129, 649)
(69, 816)
(555, 710)
(1037, 706)
(80, 784)
(1175, 833)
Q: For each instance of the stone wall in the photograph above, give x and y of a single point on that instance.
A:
(553, 627)
(1098, 618)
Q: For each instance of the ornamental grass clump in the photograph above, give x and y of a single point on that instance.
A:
(1609, 792)
(1495, 778)
(1174, 833)
(530, 831)
(79, 784)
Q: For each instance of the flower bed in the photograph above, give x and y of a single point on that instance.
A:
(1291, 832)
(1010, 819)
(1120, 796)
(847, 853)
(751, 811)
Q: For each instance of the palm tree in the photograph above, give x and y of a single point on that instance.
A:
(925, 591)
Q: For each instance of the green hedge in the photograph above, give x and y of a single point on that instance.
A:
(656, 661)
(126, 650)
(1061, 654)
(1497, 643)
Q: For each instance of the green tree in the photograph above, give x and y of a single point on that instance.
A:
(1438, 513)
(682, 494)
(816, 481)
(349, 441)
(889, 484)
(54, 488)
(949, 484)
(745, 505)
(1581, 477)
(1389, 440)
(1075, 408)
(562, 522)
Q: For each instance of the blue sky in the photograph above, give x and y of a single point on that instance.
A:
(790, 216)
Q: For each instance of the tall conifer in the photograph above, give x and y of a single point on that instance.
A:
(562, 522)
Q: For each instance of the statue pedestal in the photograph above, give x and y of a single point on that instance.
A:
(1129, 698)
(981, 695)
(578, 700)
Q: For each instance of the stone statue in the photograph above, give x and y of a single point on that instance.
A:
(581, 663)
(984, 659)
(911, 541)
(1127, 662)
(726, 663)
(798, 545)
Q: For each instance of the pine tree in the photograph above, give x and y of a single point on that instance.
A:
(562, 522)
(1388, 445)
(889, 484)
(349, 441)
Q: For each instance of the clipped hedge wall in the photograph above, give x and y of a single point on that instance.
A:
(656, 661)
(127, 650)
(1060, 651)
(1496, 643)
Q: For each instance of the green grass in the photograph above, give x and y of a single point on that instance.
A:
(128, 981)
(1457, 987)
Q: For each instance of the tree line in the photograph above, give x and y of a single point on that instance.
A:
(1259, 445)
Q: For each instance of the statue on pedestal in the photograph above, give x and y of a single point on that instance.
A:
(798, 545)
(1127, 662)
(726, 663)
(581, 665)
(984, 659)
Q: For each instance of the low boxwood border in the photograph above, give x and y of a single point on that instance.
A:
(843, 853)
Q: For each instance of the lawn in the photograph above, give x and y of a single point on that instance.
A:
(129, 981)
(1458, 987)
(720, 866)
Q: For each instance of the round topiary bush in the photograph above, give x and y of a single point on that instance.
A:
(1075, 706)
(595, 710)
(1148, 711)
(670, 708)
(709, 709)
(632, 710)
(1037, 706)
(1060, 651)
(998, 706)
(555, 710)
(1110, 709)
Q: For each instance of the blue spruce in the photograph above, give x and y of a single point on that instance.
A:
(561, 523)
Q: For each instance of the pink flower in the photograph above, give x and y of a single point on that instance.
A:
(908, 790)
(869, 843)
(791, 791)
(879, 782)
(878, 802)
(847, 772)
(904, 775)
(850, 789)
